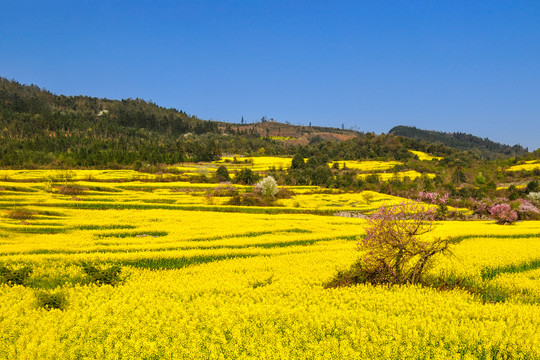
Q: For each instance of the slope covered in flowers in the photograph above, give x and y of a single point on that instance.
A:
(208, 281)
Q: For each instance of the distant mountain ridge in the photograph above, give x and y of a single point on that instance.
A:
(484, 147)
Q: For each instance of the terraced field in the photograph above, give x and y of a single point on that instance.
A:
(204, 280)
(529, 165)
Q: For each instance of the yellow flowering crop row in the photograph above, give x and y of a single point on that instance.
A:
(411, 174)
(281, 138)
(425, 156)
(41, 175)
(527, 166)
(258, 163)
(182, 194)
(226, 285)
(368, 165)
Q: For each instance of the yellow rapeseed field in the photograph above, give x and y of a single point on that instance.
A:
(213, 281)
(367, 165)
(425, 156)
(257, 163)
(411, 174)
(526, 166)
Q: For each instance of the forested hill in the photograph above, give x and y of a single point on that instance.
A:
(41, 129)
(80, 112)
(483, 147)
(36, 126)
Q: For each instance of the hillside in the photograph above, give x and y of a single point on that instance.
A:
(38, 126)
(290, 134)
(483, 147)
(41, 129)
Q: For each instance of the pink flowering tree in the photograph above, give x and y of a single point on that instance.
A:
(436, 199)
(397, 249)
(527, 210)
(503, 214)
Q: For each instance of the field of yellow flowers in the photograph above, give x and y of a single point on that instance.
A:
(204, 280)
(529, 165)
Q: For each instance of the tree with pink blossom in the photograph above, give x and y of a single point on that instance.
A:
(503, 214)
(436, 199)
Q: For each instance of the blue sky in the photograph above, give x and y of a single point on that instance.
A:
(468, 66)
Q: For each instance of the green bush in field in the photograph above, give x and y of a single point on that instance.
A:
(14, 276)
(222, 174)
(246, 176)
(108, 276)
(51, 300)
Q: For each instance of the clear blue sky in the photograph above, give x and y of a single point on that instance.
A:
(469, 66)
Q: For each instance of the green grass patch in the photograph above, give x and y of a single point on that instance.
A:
(159, 201)
(30, 229)
(101, 227)
(19, 189)
(114, 205)
(53, 281)
(173, 248)
(177, 263)
(458, 239)
(36, 223)
(490, 273)
(250, 234)
(39, 230)
(134, 234)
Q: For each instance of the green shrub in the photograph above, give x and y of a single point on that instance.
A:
(533, 186)
(15, 276)
(222, 174)
(298, 162)
(248, 199)
(108, 276)
(52, 300)
(246, 176)
(354, 275)
(284, 193)
(368, 197)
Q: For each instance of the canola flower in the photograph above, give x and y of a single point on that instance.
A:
(280, 138)
(411, 174)
(367, 165)
(529, 165)
(200, 284)
(425, 156)
(43, 175)
(257, 163)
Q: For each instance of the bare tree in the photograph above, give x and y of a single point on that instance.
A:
(397, 249)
